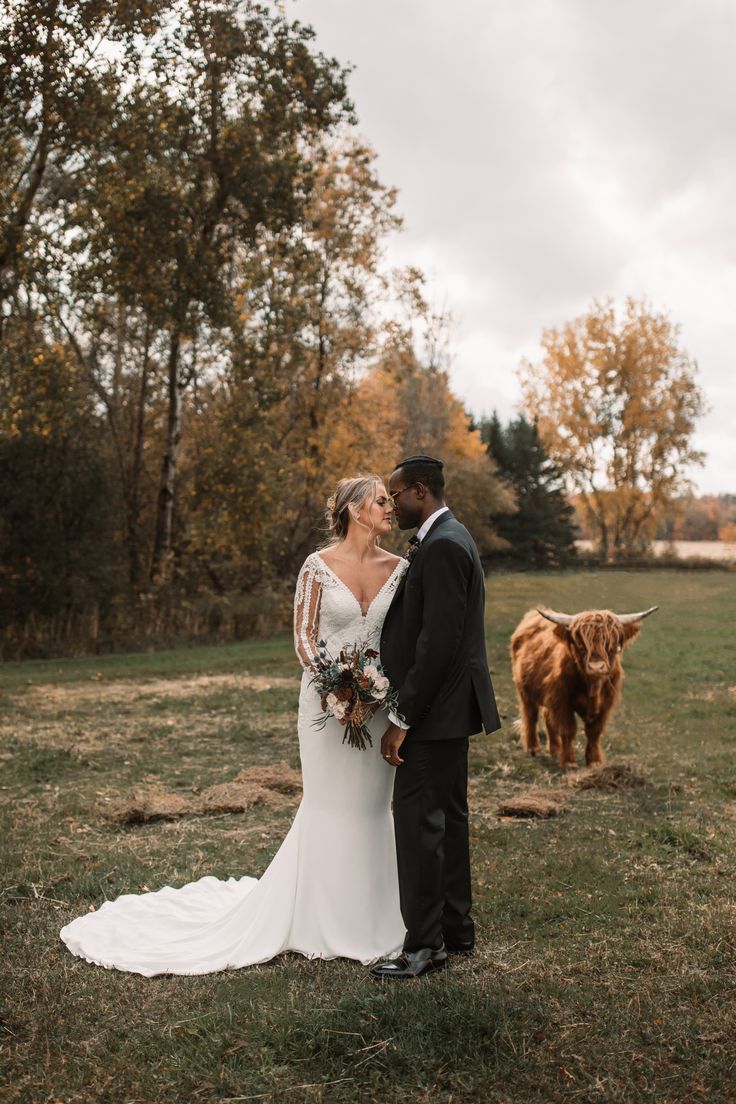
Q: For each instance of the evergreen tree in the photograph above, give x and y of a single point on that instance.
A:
(541, 534)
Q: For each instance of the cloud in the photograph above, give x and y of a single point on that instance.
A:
(550, 153)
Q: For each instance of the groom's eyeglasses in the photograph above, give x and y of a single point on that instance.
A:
(408, 487)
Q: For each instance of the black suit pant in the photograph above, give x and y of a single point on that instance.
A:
(431, 823)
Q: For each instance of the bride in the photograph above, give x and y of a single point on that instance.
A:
(332, 888)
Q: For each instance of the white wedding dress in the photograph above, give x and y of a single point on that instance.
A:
(331, 890)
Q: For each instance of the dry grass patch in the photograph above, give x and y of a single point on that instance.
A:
(615, 776)
(540, 804)
(274, 786)
(101, 692)
(533, 804)
(716, 692)
(87, 736)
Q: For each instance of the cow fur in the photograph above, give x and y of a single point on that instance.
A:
(562, 671)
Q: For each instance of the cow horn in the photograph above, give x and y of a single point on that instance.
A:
(556, 618)
(629, 618)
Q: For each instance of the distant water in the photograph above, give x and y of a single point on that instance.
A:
(706, 550)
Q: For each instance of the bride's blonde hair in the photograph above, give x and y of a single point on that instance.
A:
(349, 492)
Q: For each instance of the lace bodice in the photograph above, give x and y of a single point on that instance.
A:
(326, 609)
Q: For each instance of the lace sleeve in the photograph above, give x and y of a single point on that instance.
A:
(306, 612)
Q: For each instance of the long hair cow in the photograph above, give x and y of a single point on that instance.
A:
(566, 665)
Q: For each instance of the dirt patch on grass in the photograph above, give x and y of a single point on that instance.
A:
(716, 692)
(274, 786)
(615, 776)
(533, 805)
(540, 804)
(98, 692)
(128, 730)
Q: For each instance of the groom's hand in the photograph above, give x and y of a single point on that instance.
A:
(392, 740)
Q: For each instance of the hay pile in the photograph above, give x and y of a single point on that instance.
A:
(616, 776)
(273, 786)
(548, 803)
(533, 804)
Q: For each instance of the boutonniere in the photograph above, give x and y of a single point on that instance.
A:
(414, 546)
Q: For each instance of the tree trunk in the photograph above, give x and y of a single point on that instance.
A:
(133, 518)
(314, 410)
(18, 222)
(167, 484)
(598, 516)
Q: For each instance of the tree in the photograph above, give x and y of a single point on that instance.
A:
(404, 404)
(162, 183)
(57, 87)
(404, 408)
(541, 534)
(59, 549)
(190, 179)
(616, 402)
(266, 424)
(195, 301)
(698, 518)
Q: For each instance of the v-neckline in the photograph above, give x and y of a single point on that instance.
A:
(351, 593)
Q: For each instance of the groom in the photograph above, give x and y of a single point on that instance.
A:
(433, 649)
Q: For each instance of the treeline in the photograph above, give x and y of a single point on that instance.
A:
(688, 518)
(701, 517)
(198, 332)
(199, 335)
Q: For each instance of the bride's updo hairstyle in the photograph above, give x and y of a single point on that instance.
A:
(348, 492)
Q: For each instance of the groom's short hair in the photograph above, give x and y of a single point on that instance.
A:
(424, 469)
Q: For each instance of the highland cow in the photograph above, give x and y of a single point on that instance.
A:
(565, 665)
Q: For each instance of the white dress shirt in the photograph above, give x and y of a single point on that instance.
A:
(421, 534)
(427, 525)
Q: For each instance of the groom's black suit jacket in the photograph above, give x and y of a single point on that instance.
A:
(433, 645)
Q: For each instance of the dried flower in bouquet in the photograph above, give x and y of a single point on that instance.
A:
(351, 687)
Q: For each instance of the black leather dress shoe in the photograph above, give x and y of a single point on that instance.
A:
(412, 964)
(460, 946)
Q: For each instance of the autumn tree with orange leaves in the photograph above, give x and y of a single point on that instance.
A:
(200, 334)
(617, 403)
(406, 405)
(273, 426)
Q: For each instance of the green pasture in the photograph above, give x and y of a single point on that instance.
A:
(606, 966)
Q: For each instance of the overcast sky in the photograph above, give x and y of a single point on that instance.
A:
(549, 152)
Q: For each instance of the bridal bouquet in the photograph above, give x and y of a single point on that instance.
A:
(350, 687)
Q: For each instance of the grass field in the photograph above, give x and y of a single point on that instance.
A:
(606, 968)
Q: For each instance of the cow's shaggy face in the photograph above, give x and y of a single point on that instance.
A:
(595, 639)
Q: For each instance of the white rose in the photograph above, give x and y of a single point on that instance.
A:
(372, 672)
(331, 701)
(380, 686)
(338, 709)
